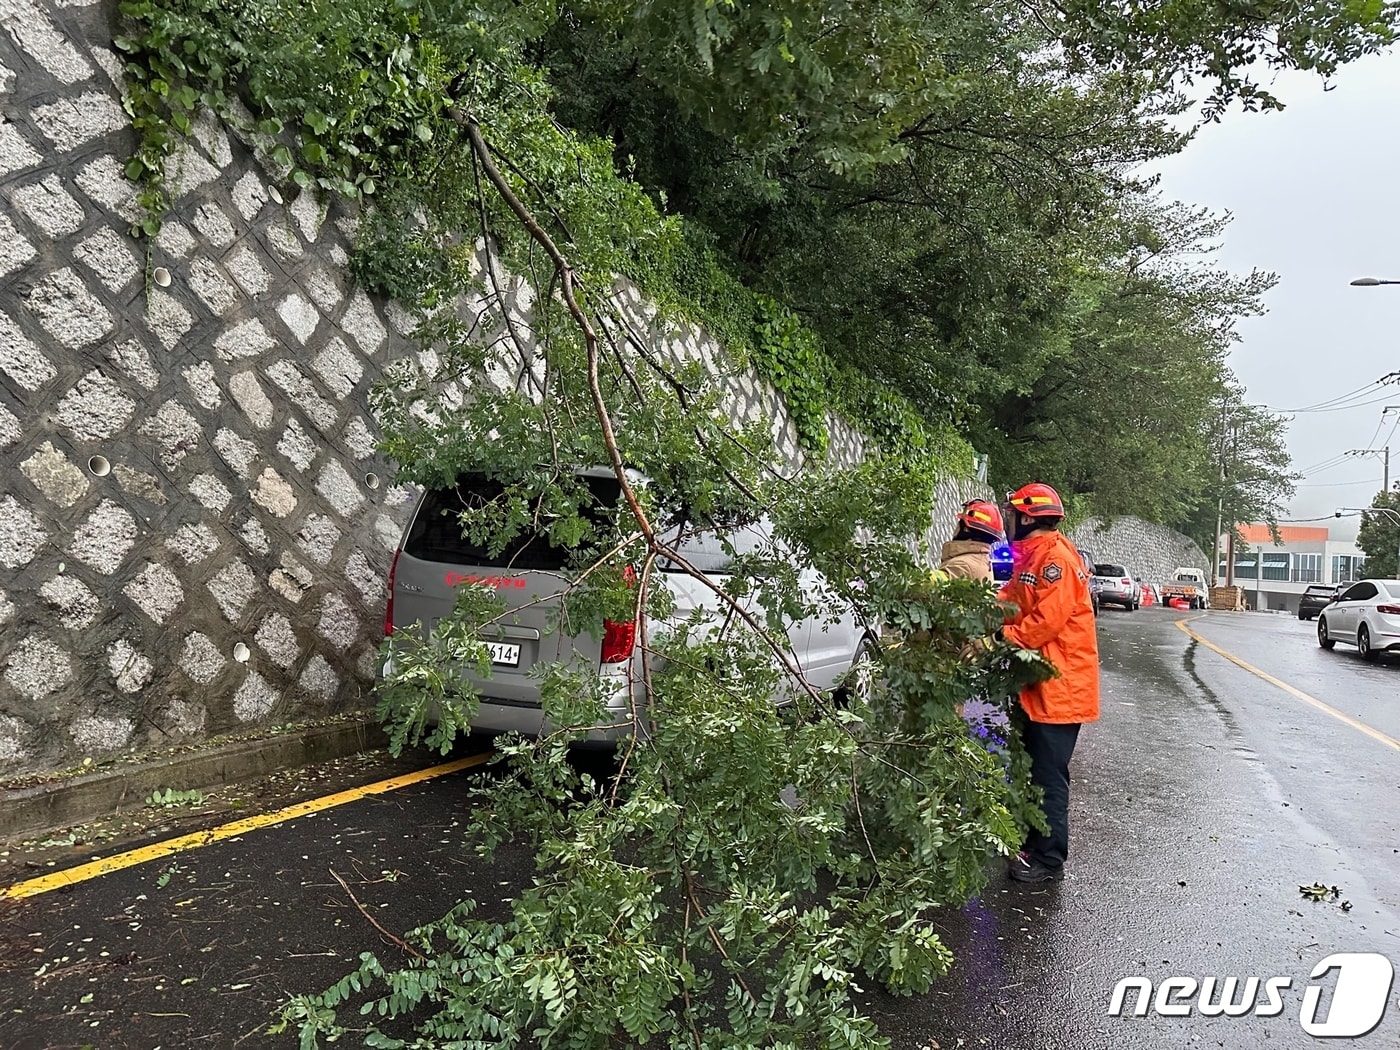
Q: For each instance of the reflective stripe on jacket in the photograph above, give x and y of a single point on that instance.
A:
(1056, 617)
(967, 559)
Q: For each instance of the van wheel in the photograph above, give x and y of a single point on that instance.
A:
(858, 683)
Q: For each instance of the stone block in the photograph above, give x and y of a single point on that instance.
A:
(297, 446)
(366, 579)
(246, 339)
(16, 153)
(20, 359)
(95, 409)
(176, 240)
(358, 438)
(193, 542)
(274, 495)
(317, 537)
(339, 489)
(204, 385)
(166, 318)
(307, 214)
(38, 667)
(302, 393)
(73, 122)
(109, 258)
(283, 242)
(21, 534)
(9, 428)
(140, 484)
(156, 591)
(103, 181)
(238, 452)
(339, 367)
(77, 606)
(254, 699)
(130, 668)
(101, 734)
(338, 624)
(249, 195)
(214, 292)
(211, 221)
(247, 392)
(49, 207)
(105, 538)
(291, 579)
(212, 493)
(68, 311)
(319, 679)
(324, 289)
(299, 315)
(15, 251)
(244, 267)
(55, 476)
(32, 29)
(200, 658)
(232, 588)
(276, 638)
(254, 536)
(131, 357)
(362, 324)
(176, 432)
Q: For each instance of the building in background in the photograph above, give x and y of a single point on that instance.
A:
(1275, 575)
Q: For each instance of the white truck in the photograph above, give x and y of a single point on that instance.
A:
(1190, 584)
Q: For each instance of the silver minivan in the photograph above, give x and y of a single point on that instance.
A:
(434, 558)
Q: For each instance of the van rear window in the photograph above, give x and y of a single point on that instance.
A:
(1110, 570)
(436, 533)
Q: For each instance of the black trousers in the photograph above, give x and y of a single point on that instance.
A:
(1050, 747)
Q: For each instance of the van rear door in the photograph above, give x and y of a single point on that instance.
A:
(529, 573)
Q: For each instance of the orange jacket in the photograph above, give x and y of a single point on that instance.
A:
(1055, 616)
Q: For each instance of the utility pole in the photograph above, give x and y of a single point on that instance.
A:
(1384, 453)
(1220, 503)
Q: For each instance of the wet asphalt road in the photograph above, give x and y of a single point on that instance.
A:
(1204, 798)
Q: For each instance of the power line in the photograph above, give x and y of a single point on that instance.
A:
(1334, 404)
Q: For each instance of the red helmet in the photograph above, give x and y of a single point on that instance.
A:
(1036, 501)
(981, 516)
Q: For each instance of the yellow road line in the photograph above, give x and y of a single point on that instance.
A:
(194, 840)
(1374, 734)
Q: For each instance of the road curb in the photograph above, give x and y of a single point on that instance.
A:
(25, 812)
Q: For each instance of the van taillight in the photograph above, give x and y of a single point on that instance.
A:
(1127, 583)
(389, 605)
(619, 638)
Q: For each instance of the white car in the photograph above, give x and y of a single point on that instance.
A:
(1366, 615)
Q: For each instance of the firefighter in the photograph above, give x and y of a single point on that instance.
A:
(968, 555)
(1055, 616)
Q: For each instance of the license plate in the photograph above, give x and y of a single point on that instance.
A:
(504, 654)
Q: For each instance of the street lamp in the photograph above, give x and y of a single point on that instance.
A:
(1370, 282)
(1392, 515)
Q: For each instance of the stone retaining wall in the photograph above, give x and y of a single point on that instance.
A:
(194, 520)
(1151, 552)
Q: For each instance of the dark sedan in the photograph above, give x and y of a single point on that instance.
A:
(1316, 598)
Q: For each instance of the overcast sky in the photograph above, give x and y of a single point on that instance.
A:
(1313, 191)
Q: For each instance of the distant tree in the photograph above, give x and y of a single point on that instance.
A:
(1380, 535)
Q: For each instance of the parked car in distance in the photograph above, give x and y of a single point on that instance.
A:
(1116, 586)
(1366, 615)
(530, 573)
(1316, 598)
